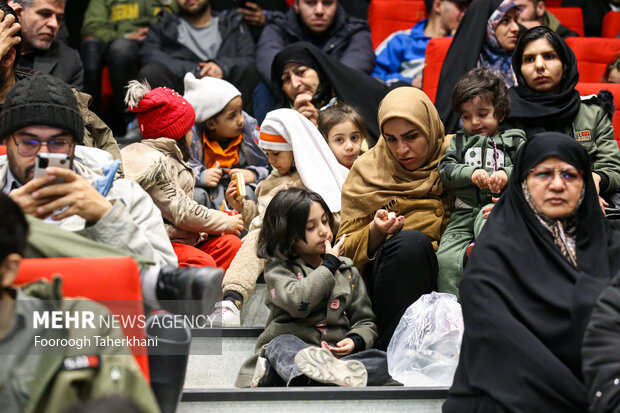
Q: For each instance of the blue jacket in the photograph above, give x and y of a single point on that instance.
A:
(400, 57)
(348, 40)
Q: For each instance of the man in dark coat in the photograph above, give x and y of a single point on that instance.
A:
(534, 13)
(323, 23)
(40, 21)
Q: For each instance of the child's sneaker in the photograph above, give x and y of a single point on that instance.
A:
(320, 364)
(226, 314)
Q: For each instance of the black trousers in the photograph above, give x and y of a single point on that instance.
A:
(404, 269)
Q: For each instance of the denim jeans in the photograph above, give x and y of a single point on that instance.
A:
(282, 371)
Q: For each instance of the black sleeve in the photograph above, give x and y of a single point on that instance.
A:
(331, 262)
(358, 343)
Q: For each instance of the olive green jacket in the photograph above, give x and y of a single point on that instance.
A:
(58, 383)
(314, 305)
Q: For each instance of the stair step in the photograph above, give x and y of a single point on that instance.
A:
(302, 406)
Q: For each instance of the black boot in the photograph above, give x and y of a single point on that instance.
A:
(167, 361)
(189, 290)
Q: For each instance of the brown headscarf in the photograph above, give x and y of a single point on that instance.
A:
(377, 178)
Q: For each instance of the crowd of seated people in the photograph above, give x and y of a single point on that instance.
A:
(270, 139)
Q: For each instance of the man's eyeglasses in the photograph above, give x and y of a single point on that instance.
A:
(546, 175)
(30, 147)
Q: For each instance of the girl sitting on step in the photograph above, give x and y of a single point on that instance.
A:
(321, 325)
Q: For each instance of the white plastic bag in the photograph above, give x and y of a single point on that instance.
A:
(424, 350)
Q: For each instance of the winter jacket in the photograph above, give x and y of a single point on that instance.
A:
(59, 60)
(601, 364)
(162, 45)
(158, 166)
(468, 153)
(593, 129)
(251, 157)
(133, 224)
(107, 20)
(348, 40)
(56, 380)
(400, 57)
(314, 305)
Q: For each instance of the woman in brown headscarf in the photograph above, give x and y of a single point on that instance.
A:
(399, 175)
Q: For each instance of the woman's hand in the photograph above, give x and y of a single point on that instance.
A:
(235, 224)
(498, 181)
(213, 176)
(336, 250)
(597, 184)
(248, 175)
(303, 104)
(480, 178)
(231, 196)
(343, 348)
(380, 227)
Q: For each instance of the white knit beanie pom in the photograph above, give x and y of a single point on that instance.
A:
(136, 91)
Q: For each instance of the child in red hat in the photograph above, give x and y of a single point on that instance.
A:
(200, 236)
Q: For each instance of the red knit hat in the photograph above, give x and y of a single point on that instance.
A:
(163, 113)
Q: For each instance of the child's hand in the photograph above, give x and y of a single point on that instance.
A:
(387, 225)
(480, 178)
(487, 209)
(248, 175)
(498, 181)
(213, 176)
(343, 348)
(336, 250)
(231, 196)
(235, 224)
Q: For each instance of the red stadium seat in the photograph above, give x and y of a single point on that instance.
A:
(388, 16)
(553, 3)
(593, 55)
(2, 150)
(571, 17)
(435, 54)
(611, 24)
(593, 88)
(113, 281)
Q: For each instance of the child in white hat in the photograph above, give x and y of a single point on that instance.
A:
(225, 140)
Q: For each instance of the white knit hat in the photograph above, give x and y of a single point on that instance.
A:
(209, 95)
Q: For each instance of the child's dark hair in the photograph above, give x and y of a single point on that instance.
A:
(613, 65)
(485, 84)
(285, 222)
(337, 114)
(13, 228)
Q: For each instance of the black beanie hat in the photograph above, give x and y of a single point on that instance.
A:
(41, 100)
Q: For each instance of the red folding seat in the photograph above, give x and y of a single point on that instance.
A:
(571, 17)
(2, 150)
(593, 54)
(436, 52)
(115, 282)
(388, 16)
(611, 24)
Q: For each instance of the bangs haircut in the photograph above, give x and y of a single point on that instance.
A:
(485, 84)
(285, 222)
(337, 114)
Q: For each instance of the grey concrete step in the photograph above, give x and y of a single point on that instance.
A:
(302, 406)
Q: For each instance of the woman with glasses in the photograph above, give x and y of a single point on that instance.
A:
(546, 100)
(538, 267)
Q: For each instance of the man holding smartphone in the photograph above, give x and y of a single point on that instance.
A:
(41, 115)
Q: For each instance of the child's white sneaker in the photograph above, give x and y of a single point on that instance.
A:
(226, 314)
(320, 364)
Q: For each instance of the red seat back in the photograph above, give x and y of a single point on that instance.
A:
(593, 55)
(571, 17)
(388, 16)
(2, 150)
(611, 24)
(436, 52)
(593, 88)
(553, 3)
(113, 281)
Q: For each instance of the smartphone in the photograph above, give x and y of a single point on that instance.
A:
(58, 160)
